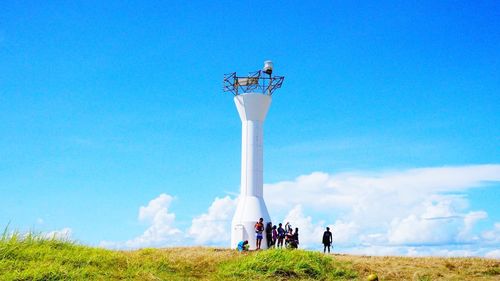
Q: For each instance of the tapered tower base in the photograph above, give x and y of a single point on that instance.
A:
(248, 212)
(252, 108)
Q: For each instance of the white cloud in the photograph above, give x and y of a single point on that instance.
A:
(422, 251)
(451, 253)
(436, 221)
(415, 206)
(440, 252)
(470, 221)
(161, 232)
(492, 236)
(373, 250)
(369, 192)
(155, 207)
(309, 233)
(410, 212)
(376, 213)
(493, 254)
(214, 227)
(344, 232)
(63, 234)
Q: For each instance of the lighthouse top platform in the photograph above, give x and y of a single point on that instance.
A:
(254, 82)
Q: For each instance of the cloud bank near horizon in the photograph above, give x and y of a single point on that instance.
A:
(415, 212)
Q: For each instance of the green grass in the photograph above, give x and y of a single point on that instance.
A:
(35, 257)
(284, 265)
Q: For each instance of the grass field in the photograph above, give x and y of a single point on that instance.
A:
(33, 257)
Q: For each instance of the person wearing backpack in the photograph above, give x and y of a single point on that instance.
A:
(259, 229)
(327, 240)
(281, 235)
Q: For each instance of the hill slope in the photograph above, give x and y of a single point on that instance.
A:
(37, 258)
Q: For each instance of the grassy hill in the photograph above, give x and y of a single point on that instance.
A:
(36, 258)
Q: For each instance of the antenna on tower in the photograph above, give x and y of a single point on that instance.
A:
(254, 82)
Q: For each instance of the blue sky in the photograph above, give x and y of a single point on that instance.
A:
(106, 106)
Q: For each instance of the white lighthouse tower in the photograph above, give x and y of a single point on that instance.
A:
(252, 96)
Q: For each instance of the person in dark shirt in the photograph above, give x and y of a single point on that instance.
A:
(269, 234)
(274, 235)
(295, 239)
(281, 235)
(327, 240)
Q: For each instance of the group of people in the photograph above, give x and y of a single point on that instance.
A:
(276, 236)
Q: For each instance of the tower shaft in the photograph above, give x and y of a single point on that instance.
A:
(252, 161)
(252, 108)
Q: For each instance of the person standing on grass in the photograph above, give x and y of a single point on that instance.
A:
(281, 235)
(269, 234)
(259, 229)
(275, 235)
(327, 240)
(295, 238)
(288, 237)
